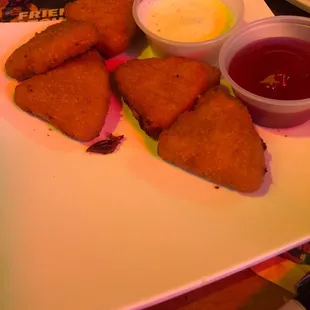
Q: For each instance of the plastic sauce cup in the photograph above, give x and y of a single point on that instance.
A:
(264, 111)
(206, 50)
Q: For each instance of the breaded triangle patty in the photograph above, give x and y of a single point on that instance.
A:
(50, 48)
(73, 97)
(217, 141)
(159, 90)
(113, 19)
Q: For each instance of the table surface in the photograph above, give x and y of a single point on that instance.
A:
(242, 291)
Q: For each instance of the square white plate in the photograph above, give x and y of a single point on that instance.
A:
(83, 231)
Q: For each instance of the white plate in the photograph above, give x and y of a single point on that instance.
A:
(83, 231)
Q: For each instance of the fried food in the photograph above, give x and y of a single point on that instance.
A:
(50, 48)
(113, 19)
(217, 141)
(73, 97)
(159, 90)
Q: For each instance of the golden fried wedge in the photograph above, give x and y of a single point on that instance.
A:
(73, 97)
(217, 141)
(50, 48)
(159, 90)
(113, 19)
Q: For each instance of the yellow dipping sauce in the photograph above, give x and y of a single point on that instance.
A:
(186, 20)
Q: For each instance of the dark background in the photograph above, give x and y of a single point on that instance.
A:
(282, 7)
(51, 4)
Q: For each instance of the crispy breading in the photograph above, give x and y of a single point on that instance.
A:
(113, 18)
(217, 141)
(50, 48)
(159, 90)
(73, 97)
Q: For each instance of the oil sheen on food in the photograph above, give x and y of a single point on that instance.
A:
(186, 20)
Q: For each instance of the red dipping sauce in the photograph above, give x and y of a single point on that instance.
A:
(275, 68)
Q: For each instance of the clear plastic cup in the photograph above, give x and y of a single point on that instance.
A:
(264, 111)
(206, 51)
